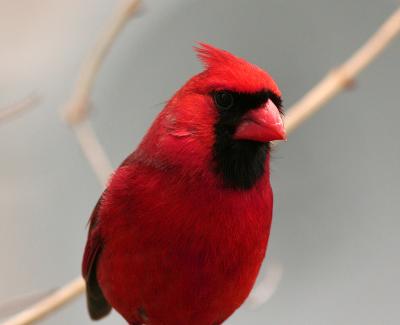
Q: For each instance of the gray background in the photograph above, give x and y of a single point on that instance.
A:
(336, 224)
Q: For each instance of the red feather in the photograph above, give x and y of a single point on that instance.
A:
(168, 243)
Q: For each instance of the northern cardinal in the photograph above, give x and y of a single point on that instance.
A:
(179, 235)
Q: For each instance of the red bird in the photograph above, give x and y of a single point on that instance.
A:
(179, 234)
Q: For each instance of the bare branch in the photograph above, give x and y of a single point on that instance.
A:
(339, 78)
(267, 286)
(15, 109)
(76, 110)
(51, 303)
(76, 113)
(14, 305)
(93, 151)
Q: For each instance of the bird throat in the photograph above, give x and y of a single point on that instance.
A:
(239, 163)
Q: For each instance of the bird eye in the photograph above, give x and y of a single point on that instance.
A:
(223, 99)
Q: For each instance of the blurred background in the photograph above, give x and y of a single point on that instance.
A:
(337, 217)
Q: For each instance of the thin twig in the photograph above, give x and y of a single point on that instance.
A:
(15, 109)
(340, 78)
(267, 285)
(93, 151)
(310, 103)
(52, 302)
(75, 113)
(16, 304)
(77, 108)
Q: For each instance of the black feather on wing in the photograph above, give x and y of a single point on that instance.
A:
(97, 304)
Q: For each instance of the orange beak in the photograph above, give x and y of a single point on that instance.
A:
(262, 125)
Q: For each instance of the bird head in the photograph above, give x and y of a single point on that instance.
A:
(224, 117)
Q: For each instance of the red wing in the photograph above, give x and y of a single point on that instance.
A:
(97, 304)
